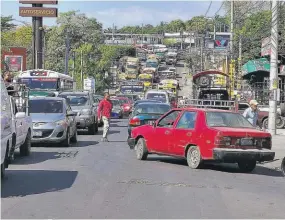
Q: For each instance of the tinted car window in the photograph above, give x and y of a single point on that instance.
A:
(227, 119)
(187, 120)
(168, 120)
(148, 108)
(46, 106)
(76, 99)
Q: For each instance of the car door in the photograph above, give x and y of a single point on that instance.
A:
(163, 132)
(18, 123)
(183, 133)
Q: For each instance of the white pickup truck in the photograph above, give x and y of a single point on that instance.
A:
(21, 127)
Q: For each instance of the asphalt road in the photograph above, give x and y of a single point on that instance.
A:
(104, 180)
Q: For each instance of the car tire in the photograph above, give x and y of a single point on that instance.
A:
(66, 142)
(281, 123)
(74, 137)
(283, 166)
(25, 149)
(141, 150)
(265, 123)
(92, 129)
(5, 164)
(247, 166)
(193, 156)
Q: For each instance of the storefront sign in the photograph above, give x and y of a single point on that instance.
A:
(38, 2)
(37, 12)
(15, 63)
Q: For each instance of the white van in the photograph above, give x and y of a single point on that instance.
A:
(159, 95)
(6, 128)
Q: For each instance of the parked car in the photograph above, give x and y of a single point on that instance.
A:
(203, 134)
(6, 128)
(22, 128)
(145, 113)
(117, 111)
(127, 105)
(83, 104)
(53, 120)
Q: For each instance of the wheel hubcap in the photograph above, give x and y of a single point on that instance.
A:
(139, 150)
(194, 157)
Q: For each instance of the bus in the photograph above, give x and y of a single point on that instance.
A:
(46, 82)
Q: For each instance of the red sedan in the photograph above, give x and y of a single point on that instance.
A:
(203, 134)
(127, 105)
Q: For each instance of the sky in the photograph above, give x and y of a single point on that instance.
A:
(123, 13)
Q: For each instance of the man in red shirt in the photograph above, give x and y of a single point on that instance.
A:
(105, 111)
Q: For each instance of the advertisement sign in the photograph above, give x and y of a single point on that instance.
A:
(221, 42)
(89, 84)
(37, 12)
(15, 63)
(38, 2)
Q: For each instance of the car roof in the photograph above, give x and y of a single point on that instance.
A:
(147, 103)
(204, 110)
(46, 98)
(73, 93)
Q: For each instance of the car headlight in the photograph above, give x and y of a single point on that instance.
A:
(61, 122)
(86, 112)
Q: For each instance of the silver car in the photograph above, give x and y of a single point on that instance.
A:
(53, 120)
(83, 104)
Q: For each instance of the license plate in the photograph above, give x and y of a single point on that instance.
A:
(246, 142)
(151, 122)
(38, 133)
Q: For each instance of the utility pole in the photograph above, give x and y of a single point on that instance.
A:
(66, 54)
(73, 65)
(273, 69)
(113, 33)
(201, 54)
(232, 30)
(142, 37)
(81, 74)
(38, 39)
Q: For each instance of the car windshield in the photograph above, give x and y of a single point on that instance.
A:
(227, 119)
(40, 83)
(151, 108)
(131, 88)
(157, 96)
(76, 99)
(116, 102)
(131, 66)
(151, 65)
(45, 106)
(124, 101)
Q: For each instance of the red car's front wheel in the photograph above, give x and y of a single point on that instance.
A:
(283, 166)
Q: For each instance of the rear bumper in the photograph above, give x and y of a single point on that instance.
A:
(235, 155)
(131, 142)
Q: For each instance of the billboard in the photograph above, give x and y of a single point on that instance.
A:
(38, 2)
(221, 42)
(14, 52)
(37, 12)
(14, 62)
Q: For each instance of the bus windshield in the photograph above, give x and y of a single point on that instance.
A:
(130, 66)
(41, 83)
(131, 88)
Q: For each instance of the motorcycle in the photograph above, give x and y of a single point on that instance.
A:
(283, 166)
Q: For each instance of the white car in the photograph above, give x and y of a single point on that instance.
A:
(6, 128)
(22, 127)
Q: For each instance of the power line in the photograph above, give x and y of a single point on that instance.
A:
(208, 8)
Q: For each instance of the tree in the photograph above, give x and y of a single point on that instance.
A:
(6, 24)
(176, 26)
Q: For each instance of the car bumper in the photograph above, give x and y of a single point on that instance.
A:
(131, 142)
(84, 121)
(235, 155)
(55, 135)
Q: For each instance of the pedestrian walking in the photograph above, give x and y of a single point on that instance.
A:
(104, 112)
(251, 113)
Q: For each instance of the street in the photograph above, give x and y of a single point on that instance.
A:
(105, 180)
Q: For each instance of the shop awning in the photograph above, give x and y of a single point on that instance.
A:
(260, 68)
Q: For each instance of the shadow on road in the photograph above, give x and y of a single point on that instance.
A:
(21, 183)
(227, 168)
(118, 126)
(36, 157)
(110, 132)
(82, 143)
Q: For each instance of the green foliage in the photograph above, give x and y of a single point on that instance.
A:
(169, 41)
(6, 24)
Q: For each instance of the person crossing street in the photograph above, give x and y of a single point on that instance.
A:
(104, 112)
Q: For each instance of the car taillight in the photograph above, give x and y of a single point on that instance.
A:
(135, 122)
(221, 140)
